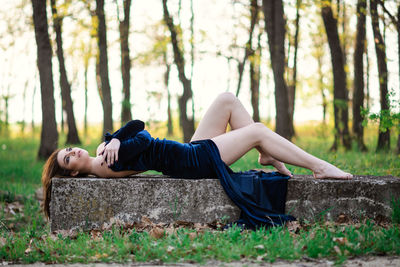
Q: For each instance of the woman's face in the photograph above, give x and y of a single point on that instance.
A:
(74, 159)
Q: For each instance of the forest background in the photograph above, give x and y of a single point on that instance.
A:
(76, 63)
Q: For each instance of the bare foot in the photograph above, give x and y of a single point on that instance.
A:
(327, 170)
(268, 160)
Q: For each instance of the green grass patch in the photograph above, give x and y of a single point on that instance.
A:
(25, 236)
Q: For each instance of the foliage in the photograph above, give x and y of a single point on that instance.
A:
(387, 118)
(396, 210)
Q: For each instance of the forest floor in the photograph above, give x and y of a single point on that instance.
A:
(25, 236)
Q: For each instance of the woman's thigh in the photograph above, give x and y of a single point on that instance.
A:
(215, 120)
(226, 109)
(234, 144)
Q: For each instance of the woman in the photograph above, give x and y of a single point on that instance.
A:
(131, 150)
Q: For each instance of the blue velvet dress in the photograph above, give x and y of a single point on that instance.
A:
(260, 196)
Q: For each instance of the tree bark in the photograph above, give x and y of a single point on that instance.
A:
(248, 49)
(67, 105)
(255, 79)
(186, 123)
(126, 114)
(292, 87)
(383, 137)
(103, 68)
(275, 28)
(166, 83)
(340, 93)
(49, 134)
(358, 95)
(398, 54)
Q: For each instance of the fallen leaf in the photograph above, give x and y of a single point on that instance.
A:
(192, 235)
(3, 242)
(340, 240)
(259, 247)
(157, 232)
(337, 250)
(342, 218)
(146, 221)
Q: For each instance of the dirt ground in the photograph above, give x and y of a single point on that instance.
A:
(357, 262)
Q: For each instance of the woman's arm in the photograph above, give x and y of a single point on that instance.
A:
(127, 131)
(126, 150)
(102, 170)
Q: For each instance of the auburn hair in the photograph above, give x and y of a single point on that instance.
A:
(50, 169)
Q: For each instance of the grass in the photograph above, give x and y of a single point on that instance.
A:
(25, 236)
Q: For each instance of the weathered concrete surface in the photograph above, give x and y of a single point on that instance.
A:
(89, 202)
(360, 197)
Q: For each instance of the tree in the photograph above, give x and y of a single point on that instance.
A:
(186, 123)
(358, 95)
(380, 50)
(49, 134)
(126, 114)
(396, 22)
(254, 8)
(340, 93)
(275, 28)
(105, 93)
(293, 82)
(67, 105)
(255, 59)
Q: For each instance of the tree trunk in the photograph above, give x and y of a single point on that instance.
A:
(103, 68)
(49, 134)
(384, 137)
(67, 105)
(85, 123)
(340, 104)
(275, 28)
(126, 114)
(186, 123)
(292, 87)
(255, 79)
(398, 55)
(248, 49)
(166, 84)
(358, 95)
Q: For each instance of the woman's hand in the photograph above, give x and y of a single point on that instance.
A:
(110, 152)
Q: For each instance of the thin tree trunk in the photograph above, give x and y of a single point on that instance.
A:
(358, 95)
(85, 122)
(398, 54)
(275, 28)
(103, 68)
(248, 49)
(49, 134)
(339, 79)
(255, 79)
(368, 67)
(166, 83)
(186, 123)
(383, 137)
(67, 105)
(33, 104)
(126, 114)
(292, 87)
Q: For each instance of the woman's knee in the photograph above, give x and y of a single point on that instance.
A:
(227, 98)
(260, 129)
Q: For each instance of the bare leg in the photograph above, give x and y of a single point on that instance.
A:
(235, 144)
(225, 109)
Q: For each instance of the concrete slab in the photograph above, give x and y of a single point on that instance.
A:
(87, 203)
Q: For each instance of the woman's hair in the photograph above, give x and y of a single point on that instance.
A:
(50, 169)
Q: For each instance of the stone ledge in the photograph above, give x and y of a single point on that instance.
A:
(89, 202)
